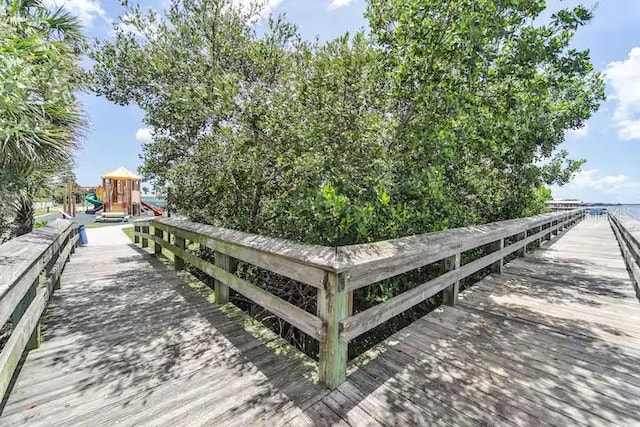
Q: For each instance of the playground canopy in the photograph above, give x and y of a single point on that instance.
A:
(121, 173)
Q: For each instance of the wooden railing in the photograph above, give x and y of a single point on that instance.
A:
(30, 268)
(337, 272)
(627, 232)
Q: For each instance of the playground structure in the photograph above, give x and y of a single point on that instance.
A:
(95, 198)
(121, 192)
(118, 199)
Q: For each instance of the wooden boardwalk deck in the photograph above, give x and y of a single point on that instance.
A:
(128, 342)
(555, 340)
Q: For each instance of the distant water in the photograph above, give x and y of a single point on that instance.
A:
(632, 211)
(155, 201)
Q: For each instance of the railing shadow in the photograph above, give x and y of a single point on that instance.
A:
(479, 367)
(127, 337)
(493, 362)
(290, 375)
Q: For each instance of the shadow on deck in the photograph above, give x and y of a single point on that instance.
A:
(128, 341)
(132, 341)
(550, 342)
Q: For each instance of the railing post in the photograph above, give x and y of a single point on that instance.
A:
(178, 262)
(136, 238)
(157, 248)
(523, 251)
(145, 241)
(21, 308)
(450, 294)
(221, 290)
(73, 233)
(541, 238)
(548, 235)
(333, 306)
(497, 266)
(36, 337)
(58, 283)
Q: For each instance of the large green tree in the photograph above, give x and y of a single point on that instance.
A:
(485, 91)
(40, 118)
(450, 114)
(445, 114)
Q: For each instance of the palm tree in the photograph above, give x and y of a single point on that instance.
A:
(41, 120)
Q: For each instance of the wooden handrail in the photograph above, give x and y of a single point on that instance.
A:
(362, 322)
(30, 268)
(628, 235)
(336, 272)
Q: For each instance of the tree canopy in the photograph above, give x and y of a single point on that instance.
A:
(41, 120)
(443, 114)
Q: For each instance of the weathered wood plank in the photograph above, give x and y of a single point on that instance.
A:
(544, 374)
(48, 255)
(300, 262)
(370, 263)
(23, 259)
(628, 237)
(361, 322)
(20, 336)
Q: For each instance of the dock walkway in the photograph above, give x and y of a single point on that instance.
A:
(554, 340)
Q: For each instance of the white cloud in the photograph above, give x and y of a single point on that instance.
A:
(624, 79)
(609, 184)
(337, 4)
(266, 6)
(579, 133)
(591, 186)
(86, 10)
(144, 135)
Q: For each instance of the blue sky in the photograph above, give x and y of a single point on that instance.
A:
(610, 141)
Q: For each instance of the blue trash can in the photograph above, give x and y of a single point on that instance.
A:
(82, 234)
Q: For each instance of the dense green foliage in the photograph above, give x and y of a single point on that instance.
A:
(448, 114)
(445, 114)
(40, 118)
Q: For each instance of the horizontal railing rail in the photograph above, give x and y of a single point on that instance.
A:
(628, 235)
(442, 246)
(337, 272)
(30, 268)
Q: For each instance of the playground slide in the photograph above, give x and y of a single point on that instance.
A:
(97, 204)
(156, 211)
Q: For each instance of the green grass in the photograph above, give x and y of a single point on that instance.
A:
(129, 232)
(43, 211)
(93, 225)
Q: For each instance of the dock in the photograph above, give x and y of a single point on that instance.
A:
(120, 334)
